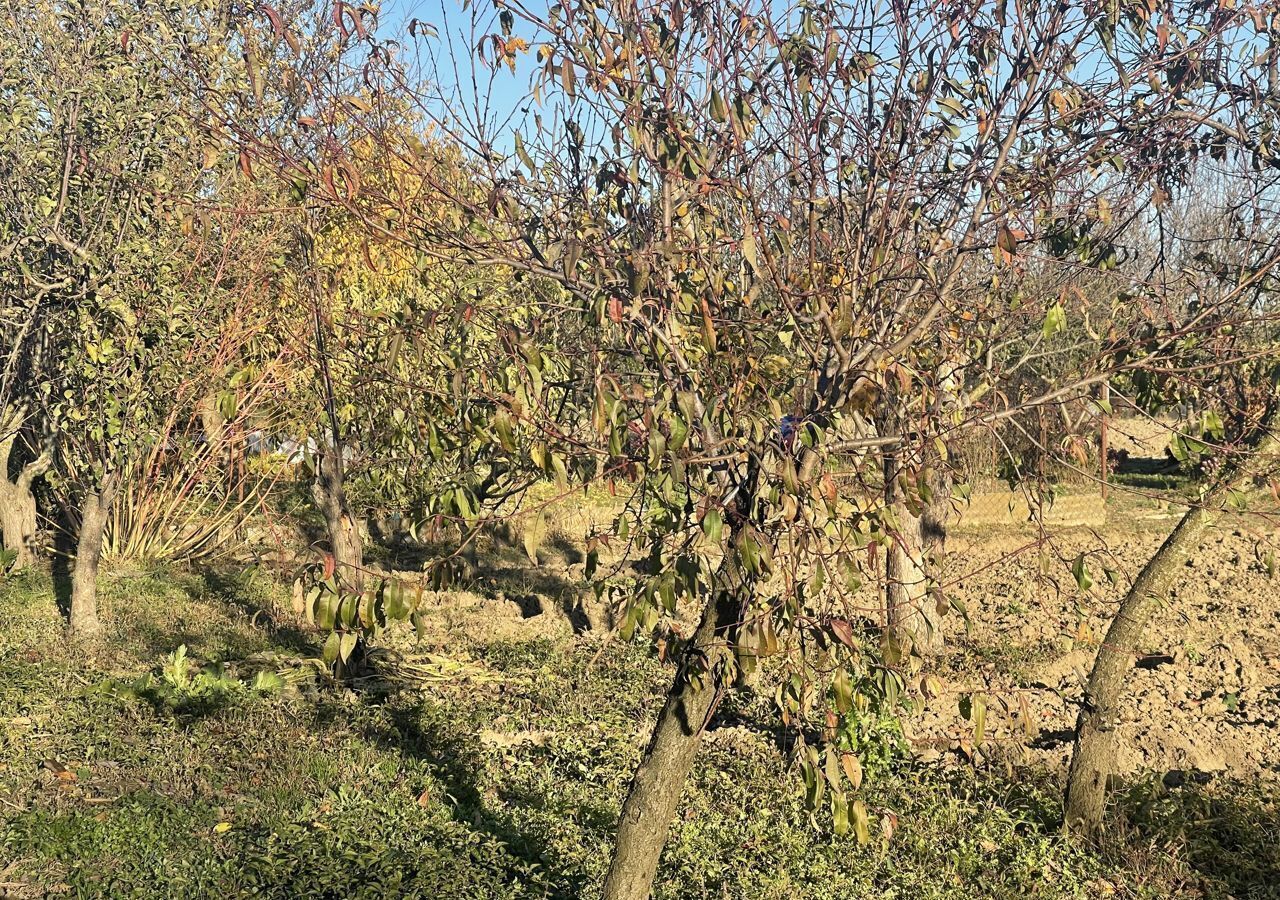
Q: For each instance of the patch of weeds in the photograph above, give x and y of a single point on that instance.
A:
(185, 689)
(1007, 658)
(1193, 653)
(1013, 607)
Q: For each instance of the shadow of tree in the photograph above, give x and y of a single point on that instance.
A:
(1222, 830)
(230, 588)
(458, 760)
(64, 551)
(496, 564)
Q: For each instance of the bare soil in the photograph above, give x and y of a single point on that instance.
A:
(1204, 698)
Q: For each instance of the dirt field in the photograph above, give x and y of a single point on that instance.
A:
(1204, 698)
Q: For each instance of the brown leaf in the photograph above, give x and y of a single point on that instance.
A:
(843, 631)
(58, 769)
(1007, 241)
(829, 490)
(350, 176)
(567, 77)
(852, 769)
(277, 23)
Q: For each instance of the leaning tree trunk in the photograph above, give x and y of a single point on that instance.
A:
(341, 526)
(659, 781)
(912, 615)
(1093, 757)
(18, 505)
(84, 622)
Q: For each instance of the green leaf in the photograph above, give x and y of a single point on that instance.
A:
(532, 537)
(523, 154)
(331, 647)
(1055, 320)
(1081, 573)
(712, 524)
(347, 644)
(719, 110)
(842, 691)
(397, 606)
(679, 431)
(861, 822)
(840, 813)
(1211, 424)
(503, 425)
(327, 611)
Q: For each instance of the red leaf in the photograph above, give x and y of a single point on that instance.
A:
(350, 176)
(329, 565)
(277, 23)
(843, 631)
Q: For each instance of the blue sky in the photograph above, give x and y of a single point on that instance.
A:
(501, 91)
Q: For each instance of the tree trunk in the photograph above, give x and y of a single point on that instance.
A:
(18, 512)
(911, 612)
(659, 782)
(17, 501)
(343, 530)
(1093, 757)
(84, 621)
(937, 512)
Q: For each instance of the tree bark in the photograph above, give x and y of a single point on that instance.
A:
(84, 622)
(1093, 757)
(18, 504)
(912, 615)
(937, 512)
(341, 526)
(659, 782)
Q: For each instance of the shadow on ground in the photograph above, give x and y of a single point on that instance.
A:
(458, 761)
(1224, 832)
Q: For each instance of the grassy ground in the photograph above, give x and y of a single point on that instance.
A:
(503, 786)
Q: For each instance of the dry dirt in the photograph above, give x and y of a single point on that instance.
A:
(1205, 696)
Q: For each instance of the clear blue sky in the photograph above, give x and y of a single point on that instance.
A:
(500, 92)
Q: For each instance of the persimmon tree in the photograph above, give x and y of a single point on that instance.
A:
(1217, 268)
(396, 352)
(802, 233)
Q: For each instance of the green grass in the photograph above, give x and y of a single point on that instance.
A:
(504, 789)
